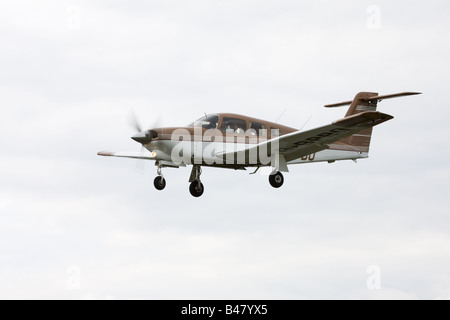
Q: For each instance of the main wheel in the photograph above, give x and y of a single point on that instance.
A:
(159, 182)
(196, 189)
(276, 180)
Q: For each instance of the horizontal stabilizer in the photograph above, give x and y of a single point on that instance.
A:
(373, 98)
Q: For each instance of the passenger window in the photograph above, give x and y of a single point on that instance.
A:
(233, 125)
(257, 129)
(275, 132)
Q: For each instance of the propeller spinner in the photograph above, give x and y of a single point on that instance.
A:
(145, 137)
(141, 136)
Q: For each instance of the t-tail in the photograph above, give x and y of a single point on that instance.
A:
(356, 146)
(363, 102)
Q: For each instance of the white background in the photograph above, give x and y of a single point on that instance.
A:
(77, 226)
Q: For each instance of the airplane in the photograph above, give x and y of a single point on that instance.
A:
(226, 140)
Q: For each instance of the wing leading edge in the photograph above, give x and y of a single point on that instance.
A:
(132, 155)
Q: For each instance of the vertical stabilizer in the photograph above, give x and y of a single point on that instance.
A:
(360, 141)
(361, 103)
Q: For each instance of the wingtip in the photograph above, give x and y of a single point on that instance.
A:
(105, 153)
(413, 93)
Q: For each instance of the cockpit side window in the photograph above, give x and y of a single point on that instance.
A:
(233, 125)
(210, 122)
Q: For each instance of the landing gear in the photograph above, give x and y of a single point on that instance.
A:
(276, 180)
(196, 187)
(159, 182)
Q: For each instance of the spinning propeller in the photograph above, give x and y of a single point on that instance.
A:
(142, 136)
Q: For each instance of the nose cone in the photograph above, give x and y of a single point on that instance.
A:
(142, 137)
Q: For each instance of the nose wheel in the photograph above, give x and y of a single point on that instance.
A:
(159, 182)
(276, 180)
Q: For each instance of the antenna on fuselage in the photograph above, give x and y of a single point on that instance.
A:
(276, 121)
(306, 123)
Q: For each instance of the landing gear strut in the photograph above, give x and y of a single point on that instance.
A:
(159, 182)
(276, 180)
(196, 187)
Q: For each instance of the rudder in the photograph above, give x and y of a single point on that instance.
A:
(359, 141)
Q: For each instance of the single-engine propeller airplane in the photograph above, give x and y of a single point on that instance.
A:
(226, 140)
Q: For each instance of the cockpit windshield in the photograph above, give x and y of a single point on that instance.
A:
(208, 122)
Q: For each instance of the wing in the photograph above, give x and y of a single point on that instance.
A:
(141, 156)
(133, 155)
(302, 143)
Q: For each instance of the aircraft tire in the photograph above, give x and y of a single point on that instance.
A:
(196, 189)
(276, 180)
(159, 183)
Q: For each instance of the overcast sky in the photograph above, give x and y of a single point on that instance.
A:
(77, 226)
